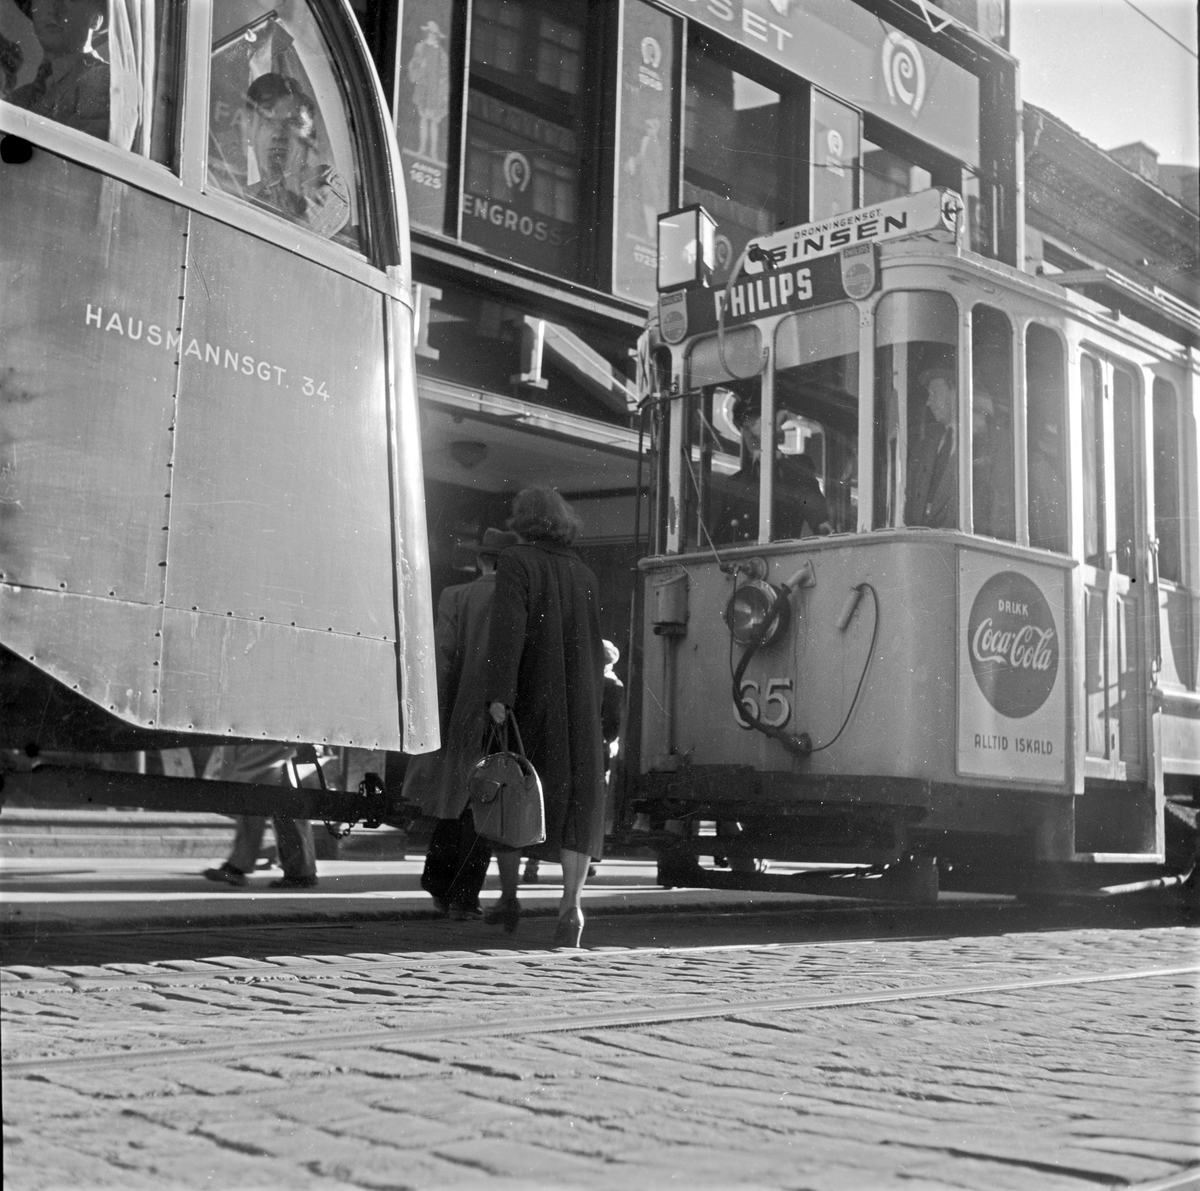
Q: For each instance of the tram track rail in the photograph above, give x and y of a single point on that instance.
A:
(579, 1024)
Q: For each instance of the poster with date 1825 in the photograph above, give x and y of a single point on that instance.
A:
(1012, 701)
(422, 124)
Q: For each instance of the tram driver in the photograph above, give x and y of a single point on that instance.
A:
(932, 498)
(72, 82)
(282, 128)
(800, 508)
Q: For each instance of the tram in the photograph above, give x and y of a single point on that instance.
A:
(212, 523)
(920, 606)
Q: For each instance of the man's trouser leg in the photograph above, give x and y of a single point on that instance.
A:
(474, 854)
(247, 842)
(441, 859)
(297, 853)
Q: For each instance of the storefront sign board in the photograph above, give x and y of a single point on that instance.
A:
(843, 48)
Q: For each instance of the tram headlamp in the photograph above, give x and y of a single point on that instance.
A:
(746, 613)
(687, 248)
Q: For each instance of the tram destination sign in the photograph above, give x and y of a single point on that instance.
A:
(926, 211)
(814, 264)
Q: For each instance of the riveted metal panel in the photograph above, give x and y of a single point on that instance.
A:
(280, 507)
(107, 650)
(89, 300)
(225, 675)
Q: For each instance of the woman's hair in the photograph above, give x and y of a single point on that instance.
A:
(541, 515)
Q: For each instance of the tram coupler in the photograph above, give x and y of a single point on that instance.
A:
(108, 788)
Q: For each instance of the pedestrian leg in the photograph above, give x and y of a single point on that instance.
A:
(297, 853)
(471, 865)
(570, 915)
(441, 862)
(247, 842)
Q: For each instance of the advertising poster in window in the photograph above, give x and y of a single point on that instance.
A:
(1012, 681)
(644, 148)
(423, 109)
(521, 185)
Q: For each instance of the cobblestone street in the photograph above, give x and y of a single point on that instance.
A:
(457, 1069)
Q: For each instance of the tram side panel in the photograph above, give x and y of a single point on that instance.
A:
(929, 727)
(90, 311)
(196, 526)
(280, 617)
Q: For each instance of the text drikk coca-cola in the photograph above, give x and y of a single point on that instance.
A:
(1013, 644)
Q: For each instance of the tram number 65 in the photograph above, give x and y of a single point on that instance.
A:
(777, 696)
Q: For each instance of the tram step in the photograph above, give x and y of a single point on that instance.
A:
(119, 834)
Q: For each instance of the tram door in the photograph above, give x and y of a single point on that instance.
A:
(1113, 574)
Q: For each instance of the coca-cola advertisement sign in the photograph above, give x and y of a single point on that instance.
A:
(1013, 644)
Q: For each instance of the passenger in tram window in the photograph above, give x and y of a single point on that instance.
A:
(800, 509)
(72, 83)
(932, 498)
(282, 123)
(1047, 489)
(992, 467)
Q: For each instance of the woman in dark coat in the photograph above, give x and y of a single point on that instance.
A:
(546, 664)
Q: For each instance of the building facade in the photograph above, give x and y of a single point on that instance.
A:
(541, 140)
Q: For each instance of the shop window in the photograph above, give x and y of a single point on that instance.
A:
(1045, 432)
(526, 133)
(738, 153)
(107, 68)
(1166, 481)
(916, 411)
(887, 175)
(280, 136)
(993, 485)
(1094, 503)
(835, 149)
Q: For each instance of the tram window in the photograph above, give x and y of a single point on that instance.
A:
(1166, 481)
(1045, 420)
(280, 136)
(1094, 505)
(104, 67)
(1125, 471)
(993, 484)
(816, 412)
(916, 410)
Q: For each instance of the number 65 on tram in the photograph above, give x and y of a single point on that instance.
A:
(922, 592)
(211, 504)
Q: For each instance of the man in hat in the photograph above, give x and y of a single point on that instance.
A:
(457, 859)
(800, 508)
(933, 459)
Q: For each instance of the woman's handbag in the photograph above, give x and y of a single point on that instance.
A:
(505, 792)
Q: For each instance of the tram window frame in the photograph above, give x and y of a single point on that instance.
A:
(345, 124)
(918, 465)
(157, 143)
(1168, 508)
(992, 411)
(1046, 472)
(1093, 483)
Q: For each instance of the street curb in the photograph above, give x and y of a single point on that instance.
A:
(45, 929)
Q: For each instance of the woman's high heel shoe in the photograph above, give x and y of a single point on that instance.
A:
(569, 929)
(506, 912)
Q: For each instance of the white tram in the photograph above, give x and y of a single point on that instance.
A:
(946, 628)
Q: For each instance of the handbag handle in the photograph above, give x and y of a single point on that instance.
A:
(498, 733)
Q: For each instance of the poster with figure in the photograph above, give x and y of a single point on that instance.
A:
(644, 149)
(423, 109)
